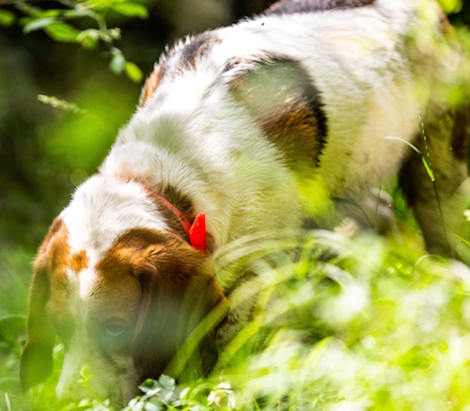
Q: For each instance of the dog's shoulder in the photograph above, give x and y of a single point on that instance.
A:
(292, 29)
(297, 76)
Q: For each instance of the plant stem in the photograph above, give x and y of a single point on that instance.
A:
(434, 184)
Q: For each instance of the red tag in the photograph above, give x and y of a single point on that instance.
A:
(197, 233)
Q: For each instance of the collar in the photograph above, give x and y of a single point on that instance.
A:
(196, 231)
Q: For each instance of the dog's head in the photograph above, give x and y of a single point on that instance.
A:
(122, 291)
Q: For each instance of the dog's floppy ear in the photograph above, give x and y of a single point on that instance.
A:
(36, 359)
(179, 290)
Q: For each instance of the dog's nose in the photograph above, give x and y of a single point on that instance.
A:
(70, 391)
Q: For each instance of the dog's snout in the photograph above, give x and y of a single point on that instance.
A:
(67, 393)
(70, 387)
(83, 377)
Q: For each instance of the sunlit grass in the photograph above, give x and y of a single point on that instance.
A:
(339, 323)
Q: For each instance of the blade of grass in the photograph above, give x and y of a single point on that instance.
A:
(434, 184)
(429, 170)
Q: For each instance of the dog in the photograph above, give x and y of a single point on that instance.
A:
(235, 130)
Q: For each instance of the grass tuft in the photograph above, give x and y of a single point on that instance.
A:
(339, 323)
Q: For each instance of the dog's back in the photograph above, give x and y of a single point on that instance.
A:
(312, 87)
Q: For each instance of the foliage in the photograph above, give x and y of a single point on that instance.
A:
(341, 323)
(56, 23)
(451, 6)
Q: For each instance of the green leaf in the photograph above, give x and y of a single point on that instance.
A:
(75, 13)
(99, 4)
(154, 405)
(38, 24)
(148, 385)
(131, 10)
(7, 18)
(89, 38)
(27, 9)
(139, 406)
(184, 393)
(117, 64)
(167, 382)
(49, 13)
(63, 32)
(451, 6)
(23, 21)
(133, 72)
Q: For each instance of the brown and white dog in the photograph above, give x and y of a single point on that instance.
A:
(231, 124)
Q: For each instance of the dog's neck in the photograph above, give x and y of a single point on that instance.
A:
(177, 191)
(194, 231)
(237, 184)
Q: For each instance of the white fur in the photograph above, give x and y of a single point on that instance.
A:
(193, 135)
(102, 208)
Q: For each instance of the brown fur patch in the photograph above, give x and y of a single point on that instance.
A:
(444, 25)
(293, 130)
(53, 254)
(79, 261)
(54, 259)
(36, 359)
(287, 107)
(151, 84)
(141, 249)
(180, 201)
(178, 290)
(170, 217)
(117, 296)
(309, 6)
(55, 227)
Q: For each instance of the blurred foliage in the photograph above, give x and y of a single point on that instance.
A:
(341, 324)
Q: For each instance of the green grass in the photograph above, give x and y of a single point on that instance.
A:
(340, 324)
(15, 270)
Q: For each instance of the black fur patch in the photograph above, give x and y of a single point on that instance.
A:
(181, 202)
(186, 57)
(310, 6)
(287, 107)
(198, 48)
(186, 207)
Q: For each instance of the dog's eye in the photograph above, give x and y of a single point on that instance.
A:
(114, 330)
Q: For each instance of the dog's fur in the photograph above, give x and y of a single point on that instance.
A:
(231, 123)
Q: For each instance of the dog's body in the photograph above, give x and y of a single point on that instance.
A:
(231, 124)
